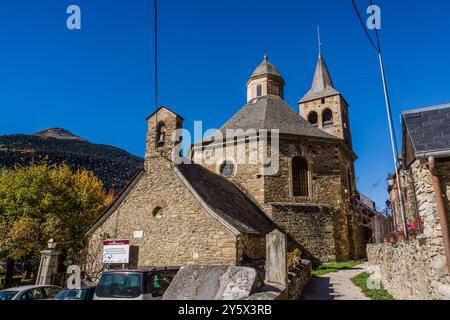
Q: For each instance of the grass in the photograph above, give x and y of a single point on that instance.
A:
(333, 267)
(374, 294)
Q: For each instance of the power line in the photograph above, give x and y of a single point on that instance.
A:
(389, 115)
(156, 52)
(364, 26)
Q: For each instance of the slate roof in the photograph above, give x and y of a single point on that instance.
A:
(265, 68)
(272, 112)
(322, 85)
(227, 200)
(429, 128)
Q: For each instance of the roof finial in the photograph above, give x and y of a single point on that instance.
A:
(319, 42)
(266, 52)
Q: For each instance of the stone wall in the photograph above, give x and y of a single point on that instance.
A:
(417, 269)
(251, 247)
(299, 279)
(414, 270)
(330, 165)
(311, 227)
(182, 233)
(340, 115)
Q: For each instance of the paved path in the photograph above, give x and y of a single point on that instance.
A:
(336, 286)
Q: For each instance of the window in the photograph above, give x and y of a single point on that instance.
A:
(161, 135)
(158, 283)
(313, 118)
(322, 101)
(300, 180)
(33, 294)
(119, 285)
(327, 117)
(227, 169)
(259, 90)
(158, 213)
(51, 292)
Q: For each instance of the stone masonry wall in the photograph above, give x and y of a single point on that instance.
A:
(417, 269)
(414, 270)
(311, 227)
(336, 105)
(184, 233)
(252, 247)
(329, 166)
(248, 176)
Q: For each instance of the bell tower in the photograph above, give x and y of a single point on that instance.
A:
(324, 107)
(265, 80)
(162, 137)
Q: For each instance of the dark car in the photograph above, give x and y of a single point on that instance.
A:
(85, 293)
(134, 284)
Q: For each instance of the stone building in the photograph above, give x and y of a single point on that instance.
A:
(218, 212)
(420, 268)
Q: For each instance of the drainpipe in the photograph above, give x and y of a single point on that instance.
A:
(441, 208)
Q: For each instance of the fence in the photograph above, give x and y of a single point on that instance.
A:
(381, 228)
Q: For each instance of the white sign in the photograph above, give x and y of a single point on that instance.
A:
(116, 251)
(138, 234)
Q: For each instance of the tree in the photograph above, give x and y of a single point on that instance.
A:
(41, 202)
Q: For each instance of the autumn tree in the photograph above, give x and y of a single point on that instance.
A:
(41, 202)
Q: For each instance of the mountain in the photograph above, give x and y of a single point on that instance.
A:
(58, 133)
(114, 166)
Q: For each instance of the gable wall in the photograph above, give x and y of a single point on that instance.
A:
(186, 234)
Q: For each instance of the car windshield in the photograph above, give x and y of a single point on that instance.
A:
(7, 295)
(71, 295)
(119, 285)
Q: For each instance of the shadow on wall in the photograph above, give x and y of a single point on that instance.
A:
(134, 257)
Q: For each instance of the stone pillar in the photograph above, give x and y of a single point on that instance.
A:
(276, 258)
(48, 265)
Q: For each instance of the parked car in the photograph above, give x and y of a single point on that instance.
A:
(31, 292)
(134, 284)
(85, 293)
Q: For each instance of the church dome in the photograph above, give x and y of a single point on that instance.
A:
(265, 68)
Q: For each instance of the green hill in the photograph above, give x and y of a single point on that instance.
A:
(114, 166)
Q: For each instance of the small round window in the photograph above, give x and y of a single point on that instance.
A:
(158, 213)
(227, 169)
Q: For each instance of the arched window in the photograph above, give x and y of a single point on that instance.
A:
(327, 117)
(227, 169)
(300, 179)
(313, 118)
(161, 134)
(259, 90)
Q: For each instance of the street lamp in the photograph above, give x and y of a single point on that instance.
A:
(390, 180)
(51, 244)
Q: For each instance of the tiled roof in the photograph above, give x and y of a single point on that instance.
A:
(272, 112)
(429, 128)
(226, 200)
(265, 68)
(322, 85)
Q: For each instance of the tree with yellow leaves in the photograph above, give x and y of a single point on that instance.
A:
(41, 202)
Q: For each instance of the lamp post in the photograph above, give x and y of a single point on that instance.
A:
(392, 180)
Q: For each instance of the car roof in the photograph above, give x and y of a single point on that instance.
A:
(82, 288)
(142, 271)
(22, 288)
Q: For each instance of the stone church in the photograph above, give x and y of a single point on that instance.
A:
(219, 213)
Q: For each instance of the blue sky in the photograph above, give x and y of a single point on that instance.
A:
(98, 82)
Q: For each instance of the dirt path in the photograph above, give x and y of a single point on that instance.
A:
(336, 286)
